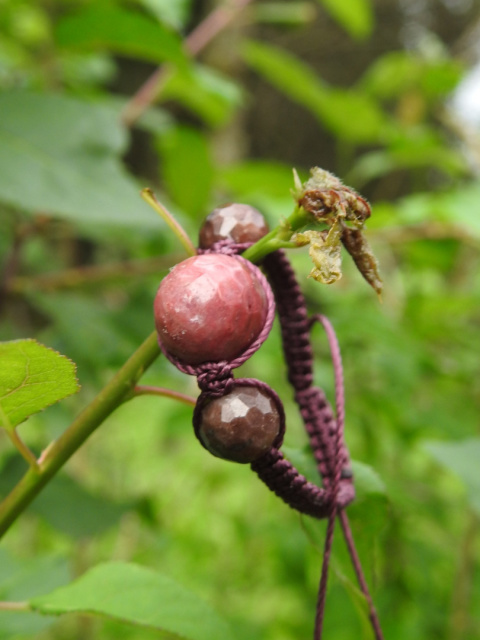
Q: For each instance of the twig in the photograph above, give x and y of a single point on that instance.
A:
(194, 43)
(14, 606)
(176, 227)
(23, 449)
(462, 587)
(372, 612)
(426, 231)
(92, 274)
(145, 390)
(212, 25)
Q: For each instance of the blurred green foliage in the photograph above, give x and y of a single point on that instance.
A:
(142, 490)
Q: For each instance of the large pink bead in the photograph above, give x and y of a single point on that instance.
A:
(209, 308)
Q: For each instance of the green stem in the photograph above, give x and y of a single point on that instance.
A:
(178, 230)
(15, 606)
(23, 449)
(279, 237)
(81, 428)
(145, 390)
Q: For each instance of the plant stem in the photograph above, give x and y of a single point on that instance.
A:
(279, 237)
(145, 390)
(81, 428)
(23, 449)
(197, 40)
(463, 584)
(98, 274)
(15, 606)
(212, 25)
(176, 227)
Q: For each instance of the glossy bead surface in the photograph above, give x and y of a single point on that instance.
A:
(240, 426)
(209, 308)
(237, 222)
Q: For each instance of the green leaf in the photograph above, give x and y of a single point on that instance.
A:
(204, 91)
(355, 16)
(70, 508)
(349, 114)
(187, 168)
(65, 504)
(456, 206)
(420, 147)
(32, 377)
(25, 578)
(287, 73)
(462, 459)
(367, 481)
(175, 14)
(397, 72)
(256, 178)
(61, 155)
(101, 26)
(31, 577)
(284, 13)
(140, 596)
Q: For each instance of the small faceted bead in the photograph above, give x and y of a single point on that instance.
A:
(237, 222)
(209, 308)
(240, 426)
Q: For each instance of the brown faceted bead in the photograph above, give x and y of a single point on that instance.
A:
(237, 222)
(240, 426)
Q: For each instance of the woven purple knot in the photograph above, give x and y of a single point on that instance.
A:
(215, 379)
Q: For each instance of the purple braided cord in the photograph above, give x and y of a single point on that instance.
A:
(340, 413)
(326, 432)
(277, 473)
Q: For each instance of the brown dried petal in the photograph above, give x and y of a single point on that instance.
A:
(357, 246)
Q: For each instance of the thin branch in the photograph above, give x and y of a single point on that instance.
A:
(15, 606)
(93, 274)
(145, 390)
(426, 231)
(176, 227)
(463, 585)
(211, 26)
(197, 40)
(22, 448)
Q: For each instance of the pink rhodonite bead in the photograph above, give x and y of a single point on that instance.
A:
(209, 308)
(237, 222)
(240, 426)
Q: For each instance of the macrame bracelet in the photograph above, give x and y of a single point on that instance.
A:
(215, 379)
(325, 430)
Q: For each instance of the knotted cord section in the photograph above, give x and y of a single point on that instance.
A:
(278, 474)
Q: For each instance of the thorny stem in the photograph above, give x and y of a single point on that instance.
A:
(194, 43)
